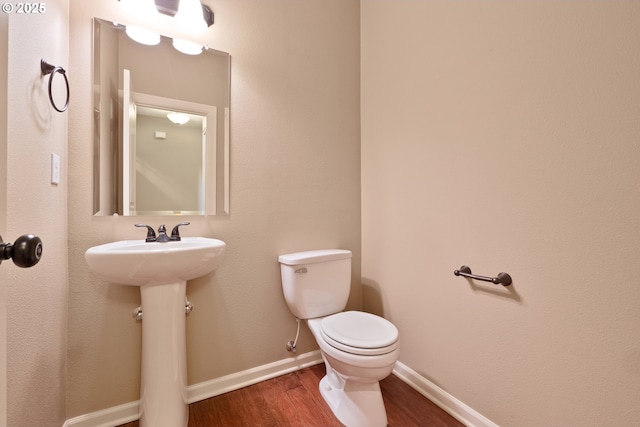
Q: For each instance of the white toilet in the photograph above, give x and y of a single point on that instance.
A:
(359, 349)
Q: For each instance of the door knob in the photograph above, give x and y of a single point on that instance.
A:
(25, 252)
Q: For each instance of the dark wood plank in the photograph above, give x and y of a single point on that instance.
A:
(276, 397)
(407, 407)
(243, 408)
(203, 414)
(293, 400)
(309, 411)
(310, 379)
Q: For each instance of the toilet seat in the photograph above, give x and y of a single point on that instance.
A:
(360, 333)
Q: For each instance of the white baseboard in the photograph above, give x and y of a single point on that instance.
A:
(109, 417)
(447, 402)
(236, 381)
(128, 412)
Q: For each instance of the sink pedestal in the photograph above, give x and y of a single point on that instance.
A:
(163, 387)
(161, 270)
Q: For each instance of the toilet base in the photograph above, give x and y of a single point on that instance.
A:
(355, 404)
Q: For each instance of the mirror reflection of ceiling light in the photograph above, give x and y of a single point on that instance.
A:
(178, 118)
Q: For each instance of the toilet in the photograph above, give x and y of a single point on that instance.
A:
(359, 349)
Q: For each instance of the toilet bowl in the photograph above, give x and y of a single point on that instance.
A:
(351, 385)
(359, 349)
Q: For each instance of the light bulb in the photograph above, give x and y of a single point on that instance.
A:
(141, 8)
(146, 8)
(190, 16)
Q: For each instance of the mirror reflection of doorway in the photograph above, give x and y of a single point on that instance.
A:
(164, 156)
(168, 162)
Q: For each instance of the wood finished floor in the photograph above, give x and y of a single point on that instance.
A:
(294, 400)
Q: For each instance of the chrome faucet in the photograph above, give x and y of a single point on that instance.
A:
(162, 233)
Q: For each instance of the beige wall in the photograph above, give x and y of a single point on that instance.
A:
(504, 135)
(295, 185)
(36, 297)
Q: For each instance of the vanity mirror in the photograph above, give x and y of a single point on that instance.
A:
(146, 162)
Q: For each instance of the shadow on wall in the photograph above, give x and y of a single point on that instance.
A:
(506, 292)
(372, 298)
(372, 301)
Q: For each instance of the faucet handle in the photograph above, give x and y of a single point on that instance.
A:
(151, 235)
(175, 233)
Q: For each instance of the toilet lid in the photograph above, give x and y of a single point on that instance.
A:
(359, 333)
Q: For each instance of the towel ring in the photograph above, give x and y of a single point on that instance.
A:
(52, 70)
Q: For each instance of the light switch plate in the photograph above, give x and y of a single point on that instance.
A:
(55, 169)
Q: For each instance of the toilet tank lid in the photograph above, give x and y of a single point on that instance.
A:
(310, 257)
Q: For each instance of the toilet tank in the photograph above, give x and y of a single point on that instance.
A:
(316, 283)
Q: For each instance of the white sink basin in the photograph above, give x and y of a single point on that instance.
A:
(138, 263)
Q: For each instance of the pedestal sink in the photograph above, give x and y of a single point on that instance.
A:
(161, 270)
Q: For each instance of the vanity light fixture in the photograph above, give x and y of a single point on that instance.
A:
(189, 14)
(142, 8)
(178, 118)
